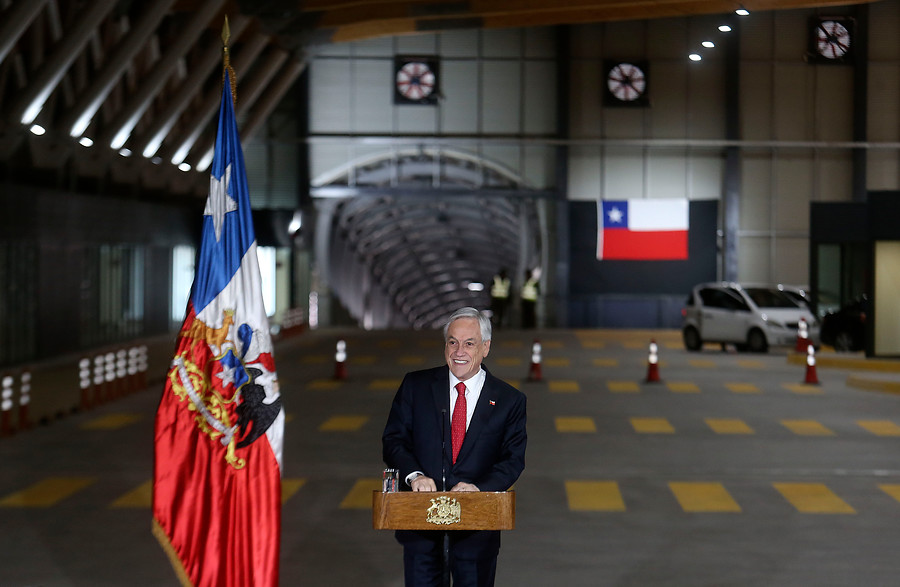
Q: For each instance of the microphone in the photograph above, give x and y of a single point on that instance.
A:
(443, 449)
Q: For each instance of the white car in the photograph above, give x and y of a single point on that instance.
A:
(752, 317)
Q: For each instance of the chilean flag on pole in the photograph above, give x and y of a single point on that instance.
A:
(220, 423)
(643, 230)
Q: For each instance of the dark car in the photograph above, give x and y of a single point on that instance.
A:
(845, 329)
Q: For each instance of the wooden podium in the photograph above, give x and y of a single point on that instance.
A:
(444, 510)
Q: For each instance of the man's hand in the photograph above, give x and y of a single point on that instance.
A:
(423, 483)
(462, 486)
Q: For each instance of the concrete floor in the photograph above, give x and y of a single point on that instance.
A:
(729, 471)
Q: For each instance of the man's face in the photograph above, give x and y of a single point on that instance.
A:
(464, 348)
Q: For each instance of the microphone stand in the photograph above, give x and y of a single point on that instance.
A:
(445, 563)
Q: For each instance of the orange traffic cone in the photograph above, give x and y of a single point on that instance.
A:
(340, 360)
(534, 373)
(811, 377)
(802, 336)
(653, 363)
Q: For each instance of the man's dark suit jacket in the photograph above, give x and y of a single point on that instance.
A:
(492, 455)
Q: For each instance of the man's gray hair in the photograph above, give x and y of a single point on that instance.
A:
(483, 321)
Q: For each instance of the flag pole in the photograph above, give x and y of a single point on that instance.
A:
(226, 60)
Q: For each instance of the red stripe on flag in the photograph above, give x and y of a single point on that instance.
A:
(628, 245)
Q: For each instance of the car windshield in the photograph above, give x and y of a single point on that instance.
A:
(770, 298)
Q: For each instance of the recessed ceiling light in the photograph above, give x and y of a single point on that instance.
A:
(708, 44)
(694, 57)
(37, 129)
(724, 28)
(85, 141)
(742, 11)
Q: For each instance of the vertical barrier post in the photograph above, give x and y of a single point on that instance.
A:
(109, 375)
(24, 398)
(121, 372)
(141, 365)
(6, 404)
(99, 369)
(84, 382)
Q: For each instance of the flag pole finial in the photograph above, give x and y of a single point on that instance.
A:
(226, 60)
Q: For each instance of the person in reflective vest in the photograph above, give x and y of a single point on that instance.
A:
(529, 298)
(500, 298)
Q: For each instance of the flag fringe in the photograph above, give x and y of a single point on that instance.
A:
(167, 547)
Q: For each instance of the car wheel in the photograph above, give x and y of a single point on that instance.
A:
(692, 341)
(843, 342)
(756, 341)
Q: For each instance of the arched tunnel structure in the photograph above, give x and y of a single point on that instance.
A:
(422, 231)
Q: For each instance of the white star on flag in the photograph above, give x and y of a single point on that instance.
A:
(219, 202)
(615, 215)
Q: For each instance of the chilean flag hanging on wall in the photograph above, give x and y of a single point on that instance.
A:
(219, 426)
(643, 230)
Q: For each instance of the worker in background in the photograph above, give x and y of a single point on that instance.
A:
(529, 297)
(500, 298)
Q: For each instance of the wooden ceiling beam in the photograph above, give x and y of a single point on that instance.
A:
(381, 18)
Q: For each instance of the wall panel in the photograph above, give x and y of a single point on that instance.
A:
(502, 102)
(459, 108)
(793, 188)
(623, 174)
(667, 174)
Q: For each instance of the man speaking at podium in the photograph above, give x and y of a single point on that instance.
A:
(455, 428)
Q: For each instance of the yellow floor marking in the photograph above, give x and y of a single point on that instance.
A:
(623, 386)
(46, 493)
(652, 426)
(742, 388)
(324, 384)
(593, 344)
(635, 345)
(683, 387)
(594, 496)
(343, 423)
(509, 361)
(511, 344)
(880, 427)
(288, 418)
(673, 345)
(563, 386)
(139, 497)
(551, 344)
(410, 360)
(289, 487)
(360, 497)
(702, 363)
(557, 362)
(802, 388)
(891, 489)
(390, 343)
(813, 498)
(729, 426)
(111, 422)
(314, 359)
(807, 428)
(514, 382)
(362, 360)
(703, 497)
(385, 384)
(751, 364)
(605, 362)
(575, 424)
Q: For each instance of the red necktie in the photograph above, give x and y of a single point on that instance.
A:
(458, 422)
